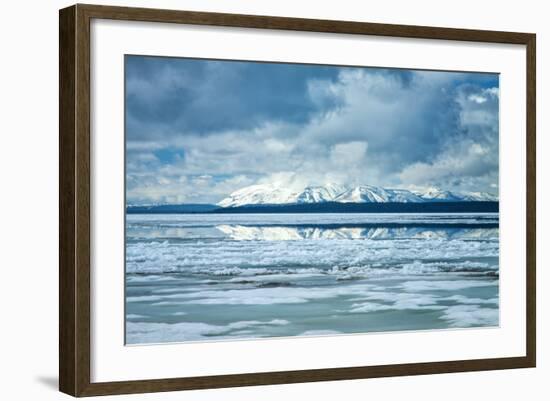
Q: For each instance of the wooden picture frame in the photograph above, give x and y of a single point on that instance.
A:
(74, 200)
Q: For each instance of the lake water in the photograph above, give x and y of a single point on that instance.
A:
(205, 277)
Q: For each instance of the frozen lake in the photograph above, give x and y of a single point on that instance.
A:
(204, 277)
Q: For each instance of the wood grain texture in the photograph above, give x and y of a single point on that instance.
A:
(82, 193)
(74, 199)
(301, 376)
(67, 131)
(301, 24)
(74, 205)
(531, 229)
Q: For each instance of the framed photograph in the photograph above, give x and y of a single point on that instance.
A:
(250, 200)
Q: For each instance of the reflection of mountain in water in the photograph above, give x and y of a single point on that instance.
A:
(285, 233)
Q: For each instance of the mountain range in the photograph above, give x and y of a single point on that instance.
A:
(267, 194)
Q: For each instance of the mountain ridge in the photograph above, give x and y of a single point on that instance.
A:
(266, 194)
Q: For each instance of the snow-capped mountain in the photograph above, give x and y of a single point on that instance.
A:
(369, 193)
(365, 193)
(402, 195)
(436, 194)
(266, 194)
(259, 195)
(326, 193)
(479, 196)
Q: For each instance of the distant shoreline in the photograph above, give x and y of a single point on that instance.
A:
(324, 207)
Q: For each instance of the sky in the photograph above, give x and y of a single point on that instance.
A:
(197, 130)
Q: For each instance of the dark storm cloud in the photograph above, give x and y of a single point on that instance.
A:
(166, 96)
(198, 130)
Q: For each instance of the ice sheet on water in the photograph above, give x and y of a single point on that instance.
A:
(319, 332)
(408, 295)
(271, 296)
(204, 268)
(150, 333)
(252, 258)
(450, 285)
(132, 316)
(471, 315)
(461, 299)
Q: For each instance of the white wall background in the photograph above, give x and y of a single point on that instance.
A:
(28, 198)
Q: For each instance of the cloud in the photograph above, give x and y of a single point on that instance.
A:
(199, 130)
(350, 153)
(465, 160)
(171, 96)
